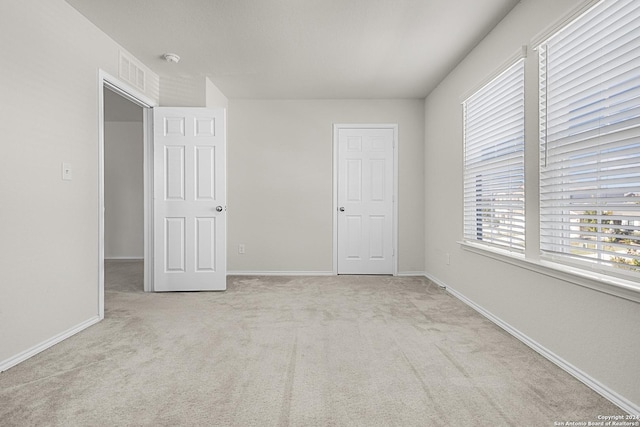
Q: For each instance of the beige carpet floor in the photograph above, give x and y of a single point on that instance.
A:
(291, 351)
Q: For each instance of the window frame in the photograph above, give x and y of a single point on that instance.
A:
(559, 236)
(580, 274)
(493, 92)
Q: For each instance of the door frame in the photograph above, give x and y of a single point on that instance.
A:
(336, 129)
(105, 80)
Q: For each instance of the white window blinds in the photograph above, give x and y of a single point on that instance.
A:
(590, 139)
(494, 162)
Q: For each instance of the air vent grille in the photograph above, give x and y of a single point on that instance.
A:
(131, 71)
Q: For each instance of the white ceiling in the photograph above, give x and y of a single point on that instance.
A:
(302, 48)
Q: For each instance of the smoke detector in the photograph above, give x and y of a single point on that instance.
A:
(171, 57)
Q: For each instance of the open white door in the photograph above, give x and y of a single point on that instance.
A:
(189, 212)
(365, 199)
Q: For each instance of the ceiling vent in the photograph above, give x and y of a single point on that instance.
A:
(131, 71)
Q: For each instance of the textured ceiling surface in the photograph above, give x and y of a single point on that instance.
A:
(301, 48)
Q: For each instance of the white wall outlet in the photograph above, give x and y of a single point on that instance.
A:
(66, 172)
(241, 248)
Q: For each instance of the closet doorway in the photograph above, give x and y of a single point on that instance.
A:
(123, 193)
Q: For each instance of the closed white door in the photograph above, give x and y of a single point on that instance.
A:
(189, 211)
(365, 201)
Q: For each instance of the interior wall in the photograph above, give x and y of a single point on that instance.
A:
(48, 227)
(123, 190)
(280, 181)
(593, 331)
(215, 97)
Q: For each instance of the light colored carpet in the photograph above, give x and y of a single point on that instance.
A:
(299, 351)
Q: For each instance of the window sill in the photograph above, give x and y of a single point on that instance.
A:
(619, 287)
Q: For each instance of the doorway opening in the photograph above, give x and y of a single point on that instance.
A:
(123, 193)
(124, 171)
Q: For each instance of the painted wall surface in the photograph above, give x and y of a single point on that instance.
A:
(594, 331)
(280, 180)
(215, 97)
(123, 190)
(48, 115)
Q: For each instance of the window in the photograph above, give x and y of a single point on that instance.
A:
(590, 140)
(494, 162)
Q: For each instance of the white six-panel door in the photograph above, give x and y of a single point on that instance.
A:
(365, 187)
(189, 209)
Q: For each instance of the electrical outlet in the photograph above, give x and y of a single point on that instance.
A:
(66, 172)
(447, 258)
(241, 248)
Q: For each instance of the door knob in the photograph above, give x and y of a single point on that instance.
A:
(219, 208)
(341, 208)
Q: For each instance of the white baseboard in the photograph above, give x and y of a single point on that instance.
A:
(614, 397)
(308, 273)
(279, 273)
(21, 357)
(410, 273)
